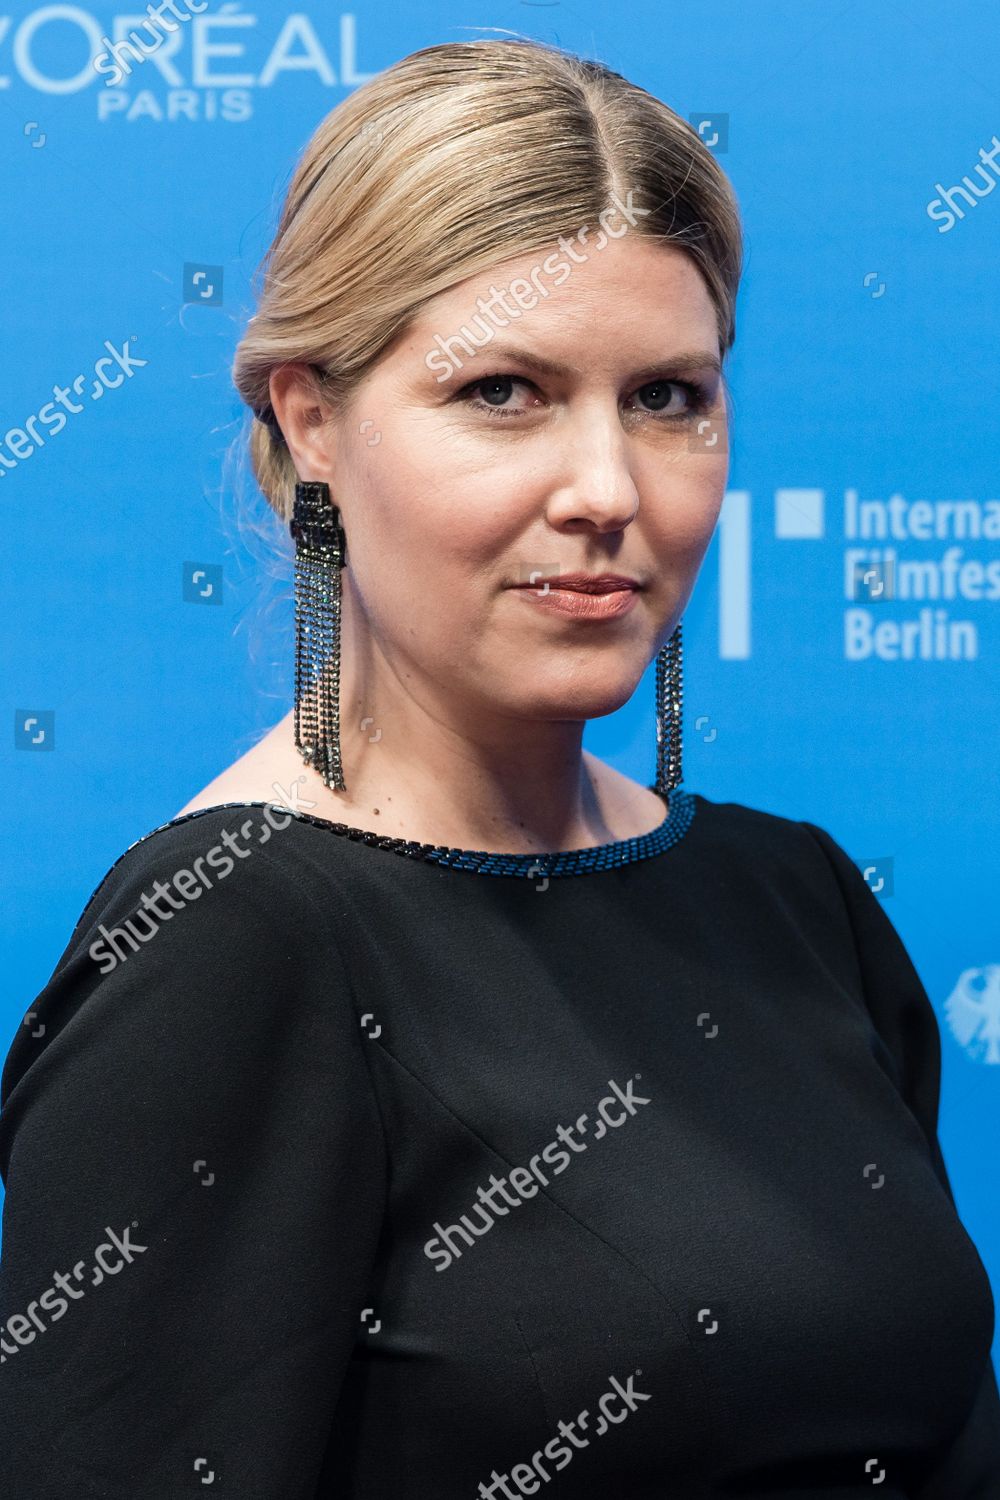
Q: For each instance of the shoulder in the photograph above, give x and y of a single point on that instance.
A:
(764, 858)
(271, 767)
(212, 935)
(772, 840)
(243, 879)
(761, 858)
(211, 841)
(733, 843)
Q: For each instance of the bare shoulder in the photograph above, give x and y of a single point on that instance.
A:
(263, 773)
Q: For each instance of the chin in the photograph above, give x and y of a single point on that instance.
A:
(586, 701)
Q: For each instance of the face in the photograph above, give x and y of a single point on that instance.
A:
(568, 443)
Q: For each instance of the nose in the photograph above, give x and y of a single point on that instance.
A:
(597, 488)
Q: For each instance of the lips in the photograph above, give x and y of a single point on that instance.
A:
(588, 599)
(583, 583)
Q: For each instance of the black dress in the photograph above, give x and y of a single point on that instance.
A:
(341, 1173)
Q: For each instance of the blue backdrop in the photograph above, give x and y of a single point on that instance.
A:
(842, 644)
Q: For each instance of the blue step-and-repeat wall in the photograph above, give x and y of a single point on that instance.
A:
(842, 647)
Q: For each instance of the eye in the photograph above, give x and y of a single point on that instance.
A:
(657, 393)
(495, 391)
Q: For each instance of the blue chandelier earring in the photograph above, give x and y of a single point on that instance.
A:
(320, 553)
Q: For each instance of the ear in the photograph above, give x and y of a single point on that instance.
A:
(303, 419)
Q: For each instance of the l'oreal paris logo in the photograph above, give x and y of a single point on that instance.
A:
(174, 60)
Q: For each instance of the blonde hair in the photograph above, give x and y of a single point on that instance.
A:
(453, 159)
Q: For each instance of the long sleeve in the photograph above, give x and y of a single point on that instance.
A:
(968, 1468)
(195, 1180)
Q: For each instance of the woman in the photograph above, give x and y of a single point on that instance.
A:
(591, 1144)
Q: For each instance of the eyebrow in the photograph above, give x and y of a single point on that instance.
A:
(686, 363)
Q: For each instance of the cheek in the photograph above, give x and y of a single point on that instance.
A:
(449, 526)
(426, 559)
(684, 507)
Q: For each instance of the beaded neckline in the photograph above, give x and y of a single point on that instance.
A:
(491, 862)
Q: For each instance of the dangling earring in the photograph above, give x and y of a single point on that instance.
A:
(320, 553)
(669, 697)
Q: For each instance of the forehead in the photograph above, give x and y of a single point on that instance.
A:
(634, 287)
